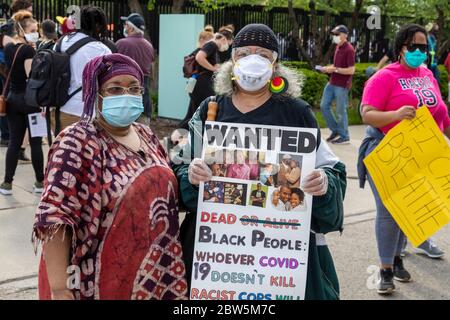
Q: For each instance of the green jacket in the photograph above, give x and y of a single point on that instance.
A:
(327, 215)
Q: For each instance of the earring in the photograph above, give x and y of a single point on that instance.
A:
(278, 85)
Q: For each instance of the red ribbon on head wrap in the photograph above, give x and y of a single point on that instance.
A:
(101, 69)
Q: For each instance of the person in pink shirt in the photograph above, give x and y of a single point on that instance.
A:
(239, 169)
(390, 96)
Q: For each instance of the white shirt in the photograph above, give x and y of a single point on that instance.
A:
(77, 62)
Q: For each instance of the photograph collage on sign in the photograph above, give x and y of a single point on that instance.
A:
(274, 179)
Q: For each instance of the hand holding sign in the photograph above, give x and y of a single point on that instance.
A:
(316, 183)
(199, 172)
(406, 113)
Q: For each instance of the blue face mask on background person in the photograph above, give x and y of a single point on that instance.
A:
(122, 111)
(415, 59)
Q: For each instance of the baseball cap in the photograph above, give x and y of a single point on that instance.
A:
(286, 157)
(340, 29)
(136, 20)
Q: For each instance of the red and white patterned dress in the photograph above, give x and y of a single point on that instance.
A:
(122, 208)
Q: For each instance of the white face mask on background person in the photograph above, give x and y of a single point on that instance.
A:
(336, 39)
(32, 37)
(252, 72)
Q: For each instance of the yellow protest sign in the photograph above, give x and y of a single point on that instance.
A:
(411, 171)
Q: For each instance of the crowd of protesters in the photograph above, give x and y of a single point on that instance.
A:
(110, 194)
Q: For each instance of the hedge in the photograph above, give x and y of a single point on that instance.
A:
(316, 81)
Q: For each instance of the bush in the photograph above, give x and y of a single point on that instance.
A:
(443, 83)
(297, 64)
(313, 86)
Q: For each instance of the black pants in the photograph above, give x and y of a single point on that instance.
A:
(147, 99)
(187, 237)
(17, 115)
(203, 89)
(4, 130)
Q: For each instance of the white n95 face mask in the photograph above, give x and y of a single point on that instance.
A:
(252, 72)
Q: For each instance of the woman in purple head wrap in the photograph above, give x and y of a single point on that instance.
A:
(110, 206)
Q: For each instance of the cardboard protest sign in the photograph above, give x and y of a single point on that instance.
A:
(411, 171)
(253, 220)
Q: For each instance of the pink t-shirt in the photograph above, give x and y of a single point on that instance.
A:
(396, 86)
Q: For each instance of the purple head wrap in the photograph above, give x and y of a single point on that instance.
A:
(101, 69)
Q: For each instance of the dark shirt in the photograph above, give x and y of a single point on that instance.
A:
(49, 45)
(258, 201)
(18, 81)
(225, 56)
(277, 111)
(344, 57)
(212, 55)
(139, 49)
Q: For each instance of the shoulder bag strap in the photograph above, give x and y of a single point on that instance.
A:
(10, 70)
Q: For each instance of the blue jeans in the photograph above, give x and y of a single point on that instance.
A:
(390, 238)
(330, 93)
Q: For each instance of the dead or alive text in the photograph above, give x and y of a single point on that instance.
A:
(252, 221)
(292, 141)
(258, 238)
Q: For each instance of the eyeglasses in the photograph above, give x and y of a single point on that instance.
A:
(118, 90)
(414, 46)
(239, 53)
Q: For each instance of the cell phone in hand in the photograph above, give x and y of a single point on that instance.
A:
(319, 68)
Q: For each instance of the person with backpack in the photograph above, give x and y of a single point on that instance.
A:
(18, 57)
(93, 30)
(135, 46)
(208, 61)
(190, 70)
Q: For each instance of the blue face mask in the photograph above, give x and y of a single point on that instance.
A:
(122, 111)
(415, 59)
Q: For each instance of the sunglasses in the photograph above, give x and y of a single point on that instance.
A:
(414, 46)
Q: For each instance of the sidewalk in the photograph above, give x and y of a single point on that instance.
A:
(354, 251)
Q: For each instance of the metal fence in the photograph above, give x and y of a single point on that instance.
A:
(366, 41)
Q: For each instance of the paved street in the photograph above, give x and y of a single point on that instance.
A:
(354, 251)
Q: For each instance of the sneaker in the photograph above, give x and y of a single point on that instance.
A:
(4, 143)
(6, 188)
(400, 273)
(38, 187)
(386, 283)
(430, 249)
(341, 141)
(23, 157)
(332, 137)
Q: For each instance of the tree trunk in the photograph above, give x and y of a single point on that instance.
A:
(355, 16)
(135, 6)
(295, 35)
(440, 45)
(177, 6)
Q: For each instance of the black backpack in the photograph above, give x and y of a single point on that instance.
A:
(49, 81)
